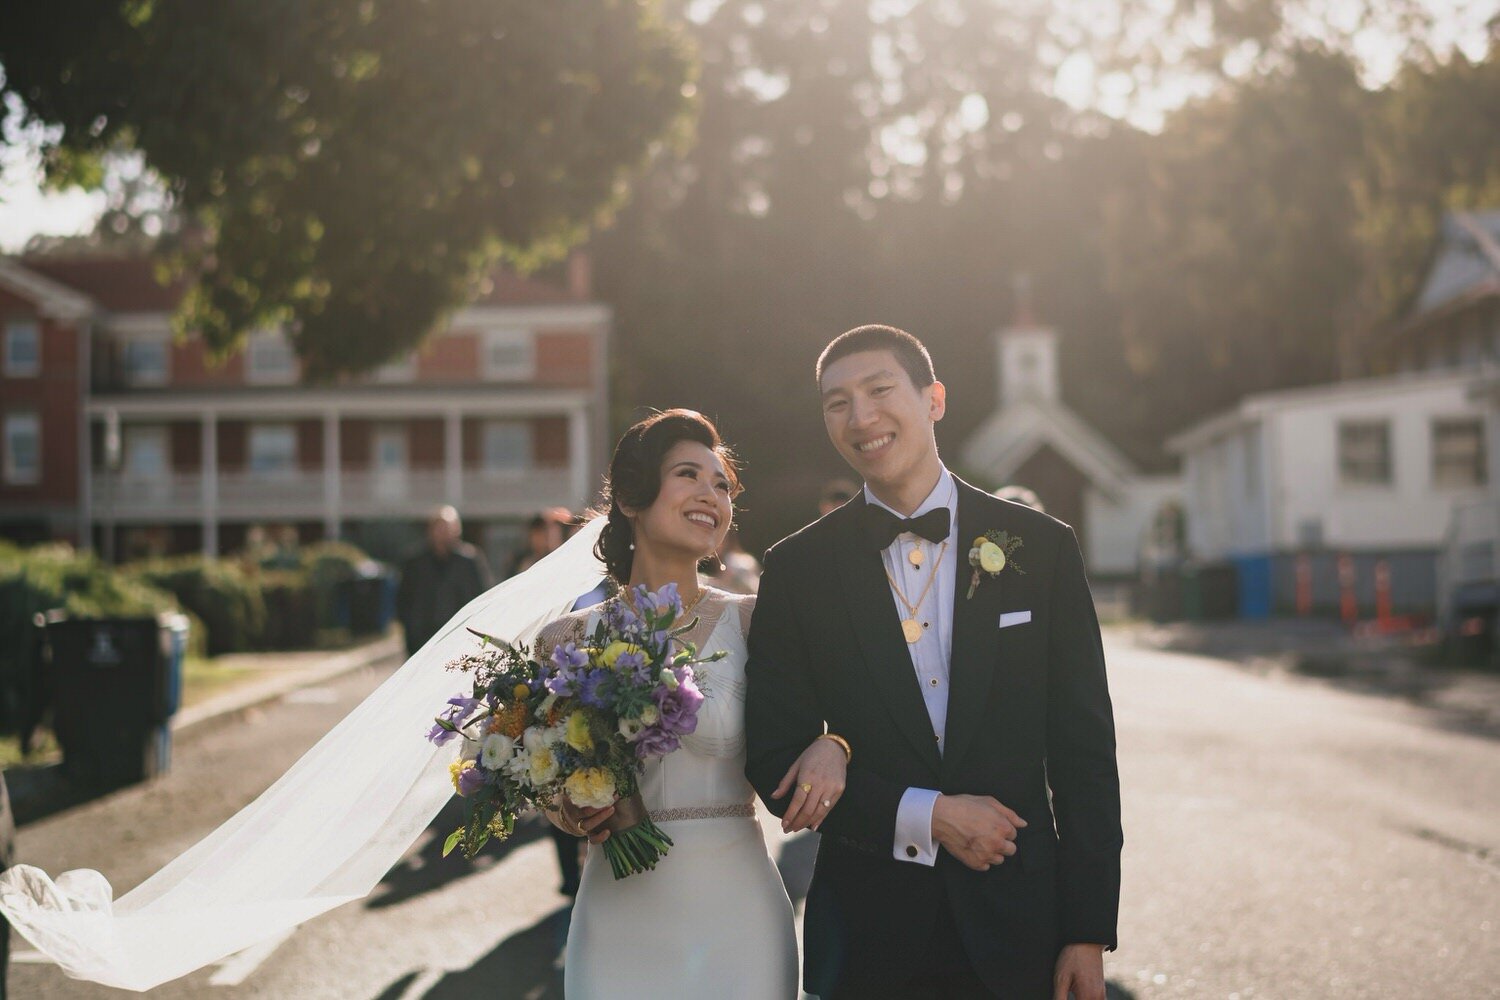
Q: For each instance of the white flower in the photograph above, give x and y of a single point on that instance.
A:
(669, 679)
(543, 766)
(495, 750)
(553, 735)
(631, 729)
(650, 714)
(519, 766)
(535, 738)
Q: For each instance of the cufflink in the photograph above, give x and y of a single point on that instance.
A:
(911, 850)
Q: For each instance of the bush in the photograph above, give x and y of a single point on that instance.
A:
(54, 577)
(291, 612)
(218, 591)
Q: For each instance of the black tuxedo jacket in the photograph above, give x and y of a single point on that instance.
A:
(1029, 723)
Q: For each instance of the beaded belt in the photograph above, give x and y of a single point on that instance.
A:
(745, 810)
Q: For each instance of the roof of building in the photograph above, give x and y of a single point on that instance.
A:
(1466, 263)
(1251, 409)
(1012, 434)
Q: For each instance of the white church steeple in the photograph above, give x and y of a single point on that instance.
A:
(1026, 353)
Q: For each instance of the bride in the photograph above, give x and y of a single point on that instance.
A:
(330, 828)
(714, 910)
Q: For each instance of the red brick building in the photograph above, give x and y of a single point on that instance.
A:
(117, 435)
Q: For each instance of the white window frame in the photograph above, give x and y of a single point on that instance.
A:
(287, 431)
(156, 376)
(519, 343)
(490, 430)
(13, 331)
(1476, 463)
(270, 359)
(17, 422)
(138, 437)
(1346, 426)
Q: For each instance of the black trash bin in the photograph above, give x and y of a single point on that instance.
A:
(369, 599)
(116, 684)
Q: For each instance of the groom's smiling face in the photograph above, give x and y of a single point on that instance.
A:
(880, 421)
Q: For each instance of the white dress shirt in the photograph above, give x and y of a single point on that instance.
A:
(931, 653)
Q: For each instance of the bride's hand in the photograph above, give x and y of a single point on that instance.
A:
(581, 821)
(818, 779)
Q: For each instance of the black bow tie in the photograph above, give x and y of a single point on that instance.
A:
(882, 526)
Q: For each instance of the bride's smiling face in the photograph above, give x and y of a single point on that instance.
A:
(693, 510)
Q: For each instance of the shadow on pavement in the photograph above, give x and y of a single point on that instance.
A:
(524, 966)
(40, 791)
(1114, 991)
(424, 869)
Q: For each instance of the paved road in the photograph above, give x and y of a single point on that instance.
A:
(1284, 840)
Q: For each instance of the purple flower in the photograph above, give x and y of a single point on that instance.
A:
(588, 688)
(457, 713)
(634, 666)
(569, 661)
(679, 708)
(655, 742)
(471, 780)
(569, 655)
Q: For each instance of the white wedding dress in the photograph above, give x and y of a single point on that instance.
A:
(713, 918)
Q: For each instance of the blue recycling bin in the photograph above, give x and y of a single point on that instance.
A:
(117, 682)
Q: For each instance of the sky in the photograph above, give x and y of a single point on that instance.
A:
(26, 209)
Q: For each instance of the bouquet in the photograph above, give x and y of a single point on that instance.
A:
(581, 722)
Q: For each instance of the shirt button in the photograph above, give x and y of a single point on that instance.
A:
(933, 682)
(911, 850)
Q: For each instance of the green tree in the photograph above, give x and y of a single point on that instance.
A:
(1232, 241)
(352, 167)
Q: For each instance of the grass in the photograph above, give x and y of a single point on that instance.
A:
(201, 678)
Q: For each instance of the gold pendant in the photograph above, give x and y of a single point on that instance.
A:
(912, 629)
(916, 558)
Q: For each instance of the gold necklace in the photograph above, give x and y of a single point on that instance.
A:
(910, 627)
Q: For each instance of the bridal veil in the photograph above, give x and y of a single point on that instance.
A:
(324, 834)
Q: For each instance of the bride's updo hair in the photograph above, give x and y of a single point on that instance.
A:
(635, 478)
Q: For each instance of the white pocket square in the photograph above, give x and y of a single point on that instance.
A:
(1009, 618)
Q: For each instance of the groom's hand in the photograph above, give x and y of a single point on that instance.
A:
(975, 829)
(1080, 971)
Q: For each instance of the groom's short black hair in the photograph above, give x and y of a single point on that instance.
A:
(908, 350)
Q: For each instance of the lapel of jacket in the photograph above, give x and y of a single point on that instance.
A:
(877, 627)
(973, 656)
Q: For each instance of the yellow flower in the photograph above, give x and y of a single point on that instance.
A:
(459, 767)
(543, 766)
(592, 786)
(578, 736)
(991, 557)
(520, 692)
(980, 541)
(614, 651)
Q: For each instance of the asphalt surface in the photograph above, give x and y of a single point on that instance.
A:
(1284, 839)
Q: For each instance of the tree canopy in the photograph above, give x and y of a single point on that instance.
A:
(350, 168)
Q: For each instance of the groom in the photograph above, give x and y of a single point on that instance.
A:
(975, 848)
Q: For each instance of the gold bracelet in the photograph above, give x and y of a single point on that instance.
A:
(848, 753)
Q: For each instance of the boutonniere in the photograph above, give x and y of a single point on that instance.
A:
(991, 553)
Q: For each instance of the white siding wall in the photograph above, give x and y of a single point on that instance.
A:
(1115, 530)
(1411, 511)
(1298, 492)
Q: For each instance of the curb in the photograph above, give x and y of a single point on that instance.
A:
(253, 696)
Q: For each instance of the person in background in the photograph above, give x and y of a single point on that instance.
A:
(7, 858)
(835, 494)
(1020, 494)
(436, 582)
(736, 571)
(544, 533)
